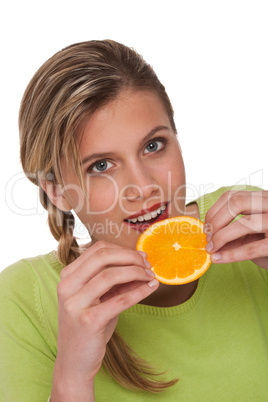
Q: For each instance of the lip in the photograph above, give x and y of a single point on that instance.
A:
(145, 211)
(141, 227)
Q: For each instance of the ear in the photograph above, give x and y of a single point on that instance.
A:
(55, 194)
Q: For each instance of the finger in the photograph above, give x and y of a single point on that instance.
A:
(231, 195)
(241, 241)
(232, 204)
(102, 283)
(109, 257)
(240, 228)
(69, 269)
(101, 258)
(103, 313)
(99, 249)
(120, 289)
(248, 251)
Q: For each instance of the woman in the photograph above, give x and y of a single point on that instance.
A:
(98, 137)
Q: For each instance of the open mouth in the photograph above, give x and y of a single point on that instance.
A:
(142, 222)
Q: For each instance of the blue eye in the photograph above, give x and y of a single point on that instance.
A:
(153, 146)
(101, 166)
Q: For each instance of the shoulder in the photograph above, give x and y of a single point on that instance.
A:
(29, 271)
(29, 287)
(28, 297)
(28, 326)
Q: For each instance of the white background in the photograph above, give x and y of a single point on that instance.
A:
(212, 56)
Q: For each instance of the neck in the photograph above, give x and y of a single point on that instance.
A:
(169, 296)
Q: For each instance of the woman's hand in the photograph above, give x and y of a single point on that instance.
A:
(104, 281)
(244, 239)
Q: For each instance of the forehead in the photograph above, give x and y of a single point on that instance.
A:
(122, 122)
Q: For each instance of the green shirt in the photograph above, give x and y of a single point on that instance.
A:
(216, 342)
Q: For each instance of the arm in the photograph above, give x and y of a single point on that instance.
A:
(104, 281)
(247, 237)
(93, 290)
(26, 354)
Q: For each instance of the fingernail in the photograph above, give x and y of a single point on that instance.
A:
(150, 273)
(209, 247)
(148, 265)
(216, 257)
(206, 228)
(153, 283)
(209, 237)
(142, 253)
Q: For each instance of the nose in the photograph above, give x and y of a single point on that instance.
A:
(140, 184)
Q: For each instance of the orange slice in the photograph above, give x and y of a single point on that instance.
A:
(176, 249)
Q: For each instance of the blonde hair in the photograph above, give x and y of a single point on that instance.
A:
(64, 92)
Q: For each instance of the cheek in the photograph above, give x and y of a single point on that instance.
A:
(179, 193)
(173, 177)
(102, 195)
(172, 172)
(76, 197)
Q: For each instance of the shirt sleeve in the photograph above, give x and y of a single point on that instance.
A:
(26, 356)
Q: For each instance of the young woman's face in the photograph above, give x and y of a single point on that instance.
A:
(132, 167)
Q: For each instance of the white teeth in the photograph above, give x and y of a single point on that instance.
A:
(149, 215)
(154, 214)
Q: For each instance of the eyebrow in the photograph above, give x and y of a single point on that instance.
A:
(103, 155)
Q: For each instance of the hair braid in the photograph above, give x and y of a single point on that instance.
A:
(61, 225)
